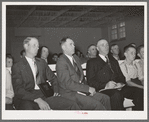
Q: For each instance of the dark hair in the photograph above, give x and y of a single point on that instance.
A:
(112, 45)
(40, 50)
(127, 47)
(54, 55)
(63, 40)
(131, 44)
(139, 48)
(90, 46)
(21, 53)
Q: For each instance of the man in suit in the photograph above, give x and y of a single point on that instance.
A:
(25, 82)
(72, 83)
(103, 73)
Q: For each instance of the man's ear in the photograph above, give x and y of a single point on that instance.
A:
(63, 47)
(25, 46)
(125, 54)
(97, 48)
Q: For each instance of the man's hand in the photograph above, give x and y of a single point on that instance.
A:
(8, 100)
(43, 105)
(92, 91)
(56, 94)
(110, 85)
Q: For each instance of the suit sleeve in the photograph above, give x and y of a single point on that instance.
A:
(18, 85)
(52, 78)
(120, 76)
(91, 71)
(65, 79)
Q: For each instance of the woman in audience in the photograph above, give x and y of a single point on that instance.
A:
(140, 63)
(43, 53)
(9, 62)
(130, 69)
(9, 92)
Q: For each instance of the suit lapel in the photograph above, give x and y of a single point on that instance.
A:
(27, 69)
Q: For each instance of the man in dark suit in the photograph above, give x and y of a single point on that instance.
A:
(72, 83)
(104, 74)
(28, 96)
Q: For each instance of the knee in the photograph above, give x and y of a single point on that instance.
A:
(26, 105)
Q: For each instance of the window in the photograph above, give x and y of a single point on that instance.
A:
(118, 31)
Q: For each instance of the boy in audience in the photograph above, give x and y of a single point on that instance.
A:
(130, 68)
(115, 51)
(130, 71)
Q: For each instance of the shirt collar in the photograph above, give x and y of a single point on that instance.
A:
(29, 59)
(103, 57)
(70, 58)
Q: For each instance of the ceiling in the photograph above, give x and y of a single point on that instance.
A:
(54, 16)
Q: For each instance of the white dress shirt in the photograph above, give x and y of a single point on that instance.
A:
(103, 57)
(31, 63)
(70, 58)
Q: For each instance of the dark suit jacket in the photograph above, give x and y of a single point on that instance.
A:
(23, 80)
(68, 78)
(99, 73)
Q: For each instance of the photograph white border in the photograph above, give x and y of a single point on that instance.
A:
(73, 115)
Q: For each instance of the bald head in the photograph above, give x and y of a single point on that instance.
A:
(103, 47)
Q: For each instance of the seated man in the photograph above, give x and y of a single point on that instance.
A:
(72, 83)
(130, 71)
(115, 51)
(103, 72)
(27, 74)
(9, 92)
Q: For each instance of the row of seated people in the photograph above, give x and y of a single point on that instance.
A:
(103, 74)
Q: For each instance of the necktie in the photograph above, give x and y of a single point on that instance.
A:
(109, 63)
(76, 68)
(36, 72)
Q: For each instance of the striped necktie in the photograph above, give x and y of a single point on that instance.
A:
(36, 72)
(76, 68)
(108, 61)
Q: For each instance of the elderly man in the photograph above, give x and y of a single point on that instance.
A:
(72, 83)
(28, 74)
(103, 72)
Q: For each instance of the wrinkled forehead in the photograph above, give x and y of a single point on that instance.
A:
(33, 41)
(69, 41)
(102, 42)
